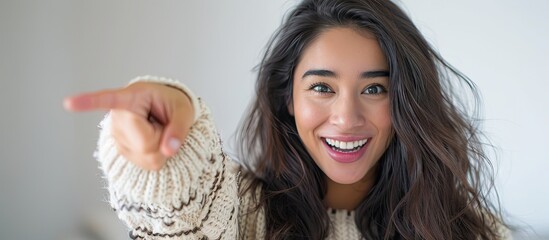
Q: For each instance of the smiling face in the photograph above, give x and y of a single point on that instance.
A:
(341, 105)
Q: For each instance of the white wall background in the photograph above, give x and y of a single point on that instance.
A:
(50, 187)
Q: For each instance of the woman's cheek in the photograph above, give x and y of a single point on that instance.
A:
(309, 115)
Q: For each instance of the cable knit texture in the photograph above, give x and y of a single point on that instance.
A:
(195, 195)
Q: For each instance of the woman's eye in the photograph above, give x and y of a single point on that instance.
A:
(320, 88)
(375, 89)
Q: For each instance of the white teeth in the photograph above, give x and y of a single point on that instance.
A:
(346, 145)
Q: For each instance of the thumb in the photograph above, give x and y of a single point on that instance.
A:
(174, 134)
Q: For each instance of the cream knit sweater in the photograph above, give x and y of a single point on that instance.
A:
(195, 195)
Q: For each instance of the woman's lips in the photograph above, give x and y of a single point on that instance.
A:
(346, 150)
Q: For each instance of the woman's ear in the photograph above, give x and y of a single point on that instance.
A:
(291, 108)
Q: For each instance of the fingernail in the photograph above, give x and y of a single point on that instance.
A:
(174, 144)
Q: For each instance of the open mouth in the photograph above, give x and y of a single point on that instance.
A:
(346, 147)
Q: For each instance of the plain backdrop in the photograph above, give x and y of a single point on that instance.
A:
(50, 184)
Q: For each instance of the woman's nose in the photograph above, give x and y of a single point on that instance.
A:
(347, 113)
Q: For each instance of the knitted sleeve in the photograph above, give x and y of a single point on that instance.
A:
(194, 196)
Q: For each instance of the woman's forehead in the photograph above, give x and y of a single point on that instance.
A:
(343, 49)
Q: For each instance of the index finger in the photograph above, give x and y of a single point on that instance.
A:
(105, 99)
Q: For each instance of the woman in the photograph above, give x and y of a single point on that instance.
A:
(354, 133)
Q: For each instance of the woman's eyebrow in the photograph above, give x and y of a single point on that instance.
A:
(374, 74)
(328, 73)
(319, 72)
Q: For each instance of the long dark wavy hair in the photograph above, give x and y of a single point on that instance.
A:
(434, 180)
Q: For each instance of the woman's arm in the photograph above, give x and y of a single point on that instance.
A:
(193, 194)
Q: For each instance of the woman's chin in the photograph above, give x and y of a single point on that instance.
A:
(344, 178)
